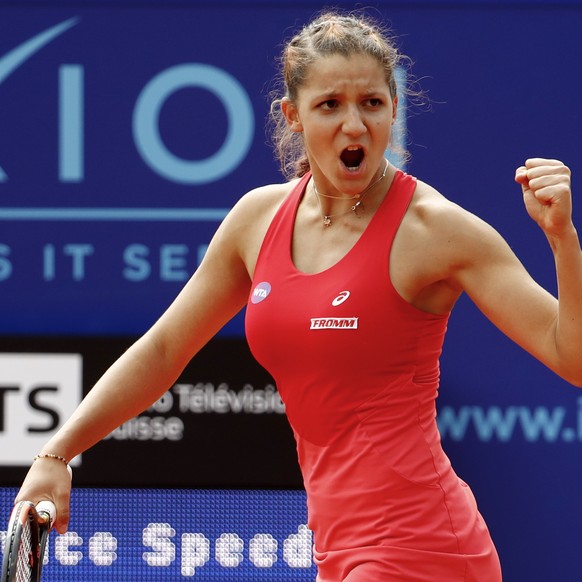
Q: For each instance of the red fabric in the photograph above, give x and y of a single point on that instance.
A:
(359, 378)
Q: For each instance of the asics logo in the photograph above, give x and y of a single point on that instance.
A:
(340, 298)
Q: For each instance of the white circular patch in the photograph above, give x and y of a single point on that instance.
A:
(261, 292)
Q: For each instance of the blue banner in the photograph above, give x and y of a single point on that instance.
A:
(129, 131)
(119, 157)
(133, 534)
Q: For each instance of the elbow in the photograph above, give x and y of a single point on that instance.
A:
(572, 375)
(567, 363)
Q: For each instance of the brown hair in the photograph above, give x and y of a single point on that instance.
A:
(331, 33)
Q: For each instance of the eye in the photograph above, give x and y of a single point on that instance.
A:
(374, 102)
(329, 104)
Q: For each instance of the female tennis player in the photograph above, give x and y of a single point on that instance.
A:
(350, 270)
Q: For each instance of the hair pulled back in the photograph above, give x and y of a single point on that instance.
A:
(331, 33)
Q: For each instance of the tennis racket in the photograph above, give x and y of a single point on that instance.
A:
(26, 539)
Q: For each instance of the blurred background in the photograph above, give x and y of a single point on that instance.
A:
(127, 131)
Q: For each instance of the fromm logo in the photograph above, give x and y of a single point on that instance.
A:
(334, 323)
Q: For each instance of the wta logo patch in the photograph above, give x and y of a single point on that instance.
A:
(261, 292)
(334, 323)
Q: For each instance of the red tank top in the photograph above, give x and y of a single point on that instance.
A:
(358, 370)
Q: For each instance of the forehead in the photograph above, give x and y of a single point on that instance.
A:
(337, 73)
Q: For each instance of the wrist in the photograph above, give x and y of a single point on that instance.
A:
(52, 457)
(565, 239)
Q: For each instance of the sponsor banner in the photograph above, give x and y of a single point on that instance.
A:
(119, 159)
(539, 424)
(129, 534)
(222, 424)
(140, 147)
(38, 392)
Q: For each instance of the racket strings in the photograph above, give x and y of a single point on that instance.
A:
(25, 561)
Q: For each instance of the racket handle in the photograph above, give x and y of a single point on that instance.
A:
(48, 508)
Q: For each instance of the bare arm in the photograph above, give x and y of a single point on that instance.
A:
(214, 294)
(549, 328)
(546, 191)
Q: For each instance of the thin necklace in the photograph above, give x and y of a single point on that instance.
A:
(354, 208)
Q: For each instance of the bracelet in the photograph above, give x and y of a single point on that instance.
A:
(51, 456)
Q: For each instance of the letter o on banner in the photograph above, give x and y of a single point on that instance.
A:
(239, 134)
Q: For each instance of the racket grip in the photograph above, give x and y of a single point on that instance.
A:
(48, 508)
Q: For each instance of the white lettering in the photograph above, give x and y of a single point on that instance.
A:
(65, 556)
(194, 548)
(297, 548)
(102, 549)
(263, 550)
(228, 550)
(334, 323)
(144, 428)
(163, 404)
(158, 536)
(205, 398)
(195, 552)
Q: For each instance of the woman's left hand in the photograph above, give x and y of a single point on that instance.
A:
(546, 193)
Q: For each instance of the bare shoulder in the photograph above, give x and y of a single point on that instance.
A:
(244, 228)
(436, 244)
(431, 208)
(262, 201)
(253, 213)
(433, 215)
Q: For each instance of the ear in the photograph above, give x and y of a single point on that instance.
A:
(291, 114)
(394, 109)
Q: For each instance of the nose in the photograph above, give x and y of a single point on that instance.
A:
(353, 123)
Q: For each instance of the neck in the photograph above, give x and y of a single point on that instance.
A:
(382, 175)
(355, 202)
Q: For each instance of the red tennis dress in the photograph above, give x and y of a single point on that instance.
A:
(358, 370)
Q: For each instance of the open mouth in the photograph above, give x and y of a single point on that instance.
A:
(352, 157)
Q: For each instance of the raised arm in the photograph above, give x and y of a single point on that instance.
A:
(549, 328)
(547, 196)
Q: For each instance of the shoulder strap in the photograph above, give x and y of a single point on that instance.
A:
(278, 235)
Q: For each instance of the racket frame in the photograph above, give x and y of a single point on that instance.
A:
(39, 523)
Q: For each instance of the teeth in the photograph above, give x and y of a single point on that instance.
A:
(352, 157)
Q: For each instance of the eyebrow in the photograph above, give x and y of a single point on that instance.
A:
(332, 93)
